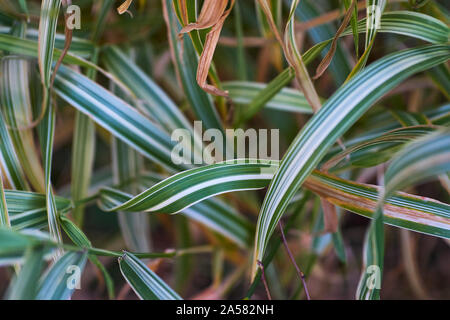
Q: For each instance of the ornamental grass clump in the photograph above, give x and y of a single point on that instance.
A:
(229, 149)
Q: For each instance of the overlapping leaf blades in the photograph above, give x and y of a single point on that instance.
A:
(142, 119)
(189, 187)
(336, 116)
(116, 116)
(9, 162)
(145, 283)
(192, 186)
(422, 159)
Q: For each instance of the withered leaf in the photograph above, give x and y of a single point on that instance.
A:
(330, 216)
(292, 55)
(324, 64)
(213, 14)
(124, 7)
(68, 41)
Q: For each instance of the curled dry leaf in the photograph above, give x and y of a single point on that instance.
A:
(212, 15)
(292, 54)
(327, 59)
(295, 59)
(67, 42)
(212, 12)
(267, 11)
(124, 7)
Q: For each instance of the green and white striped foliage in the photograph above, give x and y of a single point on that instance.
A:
(337, 115)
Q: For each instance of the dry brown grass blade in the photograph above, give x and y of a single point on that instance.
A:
(329, 57)
(325, 18)
(67, 42)
(263, 278)
(206, 59)
(212, 12)
(330, 216)
(184, 12)
(124, 7)
(266, 9)
(303, 78)
(4, 178)
(213, 15)
(246, 41)
(294, 58)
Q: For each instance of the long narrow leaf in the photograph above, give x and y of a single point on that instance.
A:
(47, 129)
(24, 287)
(115, 115)
(186, 60)
(16, 103)
(402, 210)
(4, 216)
(60, 280)
(422, 159)
(322, 131)
(9, 162)
(145, 283)
(47, 31)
